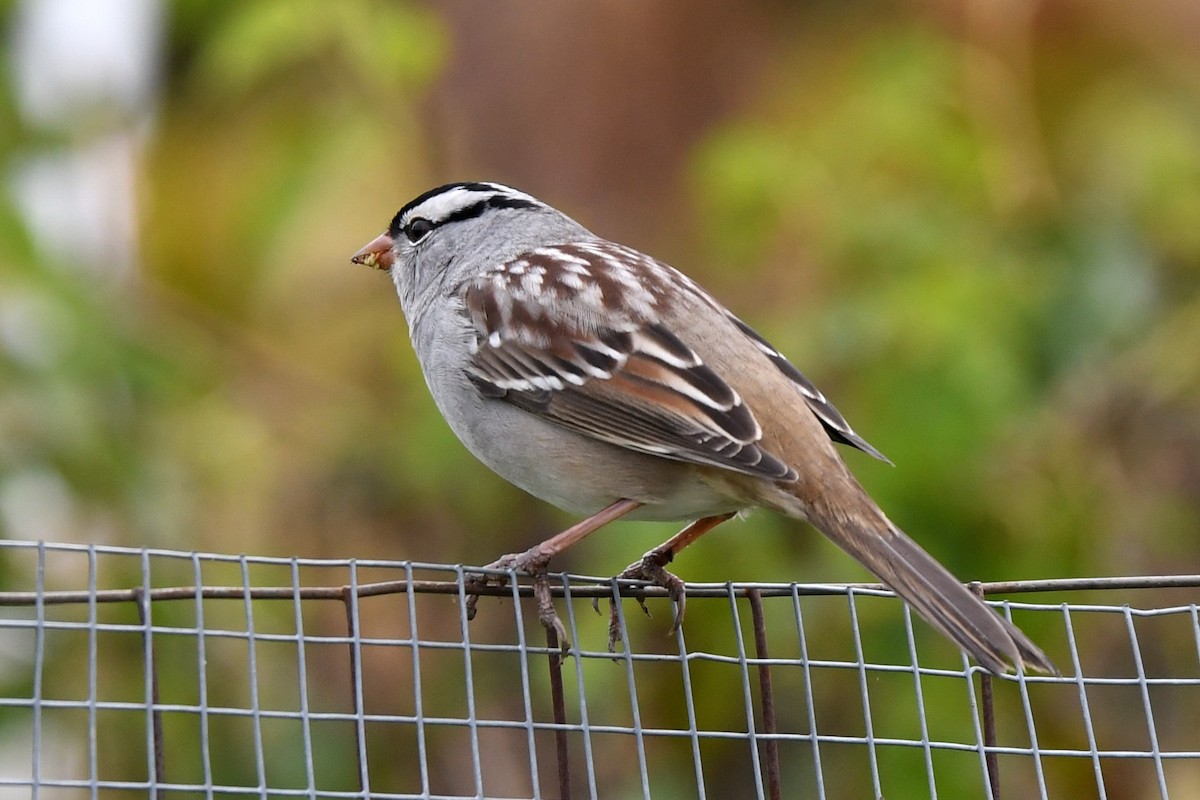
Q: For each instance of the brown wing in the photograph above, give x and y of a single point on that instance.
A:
(831, 419)
(573, 333)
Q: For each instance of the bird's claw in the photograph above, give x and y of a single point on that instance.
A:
(652, 569)
(546, 613)
(533, 562)
(476, 582)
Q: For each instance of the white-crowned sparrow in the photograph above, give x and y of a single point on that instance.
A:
(610, 384)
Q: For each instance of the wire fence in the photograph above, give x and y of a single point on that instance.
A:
(138, 672)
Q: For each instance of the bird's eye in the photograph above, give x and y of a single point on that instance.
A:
(417, 228)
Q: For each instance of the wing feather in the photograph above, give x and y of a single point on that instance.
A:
(573, 333)
(831, 419)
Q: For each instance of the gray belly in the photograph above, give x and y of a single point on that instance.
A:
(567, 469)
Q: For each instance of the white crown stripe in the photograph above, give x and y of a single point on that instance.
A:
(441, 206)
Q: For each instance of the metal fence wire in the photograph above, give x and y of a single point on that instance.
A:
(138, 672)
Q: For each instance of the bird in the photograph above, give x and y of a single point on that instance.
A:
(607, 383)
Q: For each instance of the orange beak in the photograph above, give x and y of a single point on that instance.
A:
(376, 253)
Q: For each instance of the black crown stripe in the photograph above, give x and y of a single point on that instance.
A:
(496, 200)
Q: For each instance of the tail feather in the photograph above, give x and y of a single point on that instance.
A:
(928, 587)
(956, 611)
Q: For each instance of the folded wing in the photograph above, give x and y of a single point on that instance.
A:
(573, 333)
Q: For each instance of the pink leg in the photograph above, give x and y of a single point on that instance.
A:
(535, 559)
(652, 568)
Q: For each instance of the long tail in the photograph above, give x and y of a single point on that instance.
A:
(851, 519)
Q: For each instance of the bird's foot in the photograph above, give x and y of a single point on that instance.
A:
(533, 562)
(650, 568)
(476, 582)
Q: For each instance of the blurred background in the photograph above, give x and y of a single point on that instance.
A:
(975, 226)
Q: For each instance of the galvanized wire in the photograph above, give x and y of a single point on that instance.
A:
(158, 673)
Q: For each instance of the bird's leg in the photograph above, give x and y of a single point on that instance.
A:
(534, 561)
(652, 568)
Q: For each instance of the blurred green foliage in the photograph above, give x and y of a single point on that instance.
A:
(984, 249)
